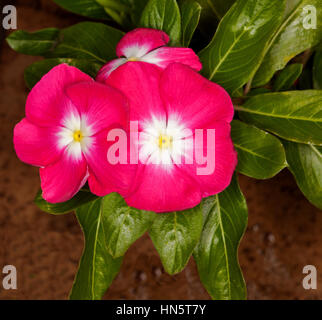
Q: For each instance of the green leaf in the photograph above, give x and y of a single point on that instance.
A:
(97, 268)
(125, 12)
(87, 40)
(306, 79)
(317, 70)
(82, 197)
(290, 39)
(87, 8)
(292, 115)
(175, 235)
(163, 15)
(190, 15)
(288, 76)
(117, 9)
(33, 43)
(260, 155)
(233, 55)
(35, 71)
(123, 224)
(305, 162)
(225, 221)
(136, 11)
(217, 7)
(256, 91)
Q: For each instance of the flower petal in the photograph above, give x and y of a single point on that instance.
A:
(63, 179)
(35, 145)
(108, 68)
(106, 177)
(218, 170)
(99, 106)
(46, 103)
(192, 99)
(139, 42)
(139, 81)
(163, 189)
(163, 56)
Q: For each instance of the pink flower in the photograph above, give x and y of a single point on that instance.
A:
(169, 106)
(64, 132)
(148, 45)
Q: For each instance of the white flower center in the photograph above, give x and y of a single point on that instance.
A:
(75, 135)
(141, 53)
(135, 51)
(133, 59)
(164, 142)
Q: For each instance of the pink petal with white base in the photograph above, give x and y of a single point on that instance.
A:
(222, 165)
(108, 68)
(61, 180)
(193, 99)
(164, 56)
(106, 177)
(139, 81)
(46, 103)
(163, 189)
(100, 106)
(139, 42)
(36, 145)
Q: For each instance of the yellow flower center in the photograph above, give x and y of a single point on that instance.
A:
(133, 59)
(165, 141)
(78, 136)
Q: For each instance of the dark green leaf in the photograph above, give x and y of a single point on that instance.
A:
(175, 235)
(190, 15)
(225, 220)
(33, 43)
(87, 8)
(125, 12)
(97, 268)
(287, 77)
(137, 9)
(117, 9)
(256, 91)
(163, 15)
(217, 7)
(82, 197)
(317, 70)
(305, 162)
(260, 155)
(234, 53)
(87, 40)
(290, 39)
(292, 115)
(208, 22)
(35, 71)
(306, 79)
(123, 224)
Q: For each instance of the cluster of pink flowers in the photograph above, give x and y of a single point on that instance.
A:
(69, 116)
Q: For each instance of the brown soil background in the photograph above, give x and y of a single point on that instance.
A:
(283, 234)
